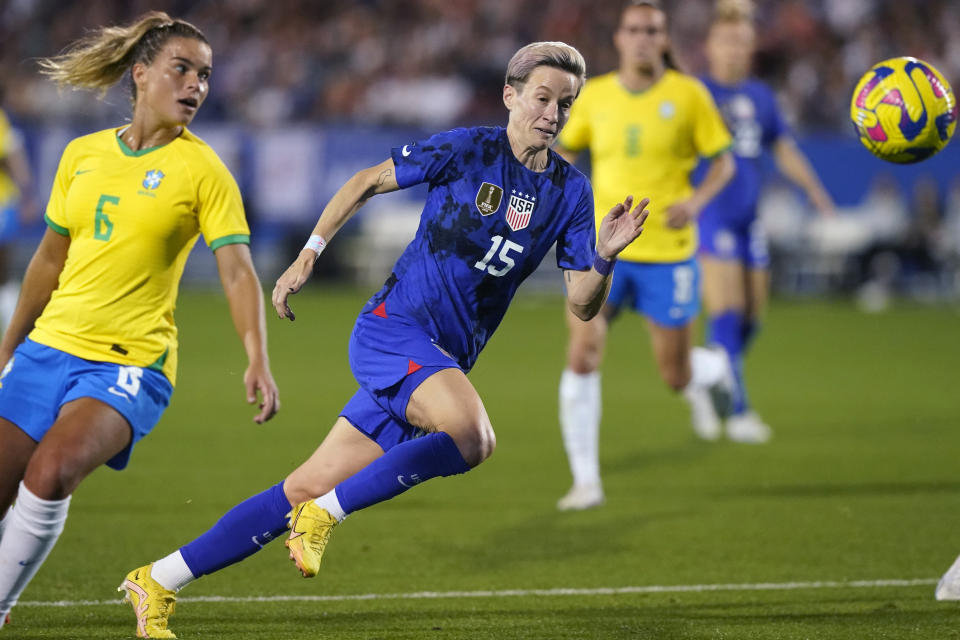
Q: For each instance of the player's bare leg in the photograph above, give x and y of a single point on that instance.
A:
(16, 447)
(86, 434)
(342, 453)
(459, 436)
(447, 402)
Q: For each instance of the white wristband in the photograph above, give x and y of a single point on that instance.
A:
(316, 243)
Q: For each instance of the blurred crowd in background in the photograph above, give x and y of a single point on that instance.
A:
(293, 79)
(438, 62)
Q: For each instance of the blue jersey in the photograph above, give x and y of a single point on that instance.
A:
(751, 113)
(487, 224)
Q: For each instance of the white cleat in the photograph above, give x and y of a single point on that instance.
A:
(949, 586)
(706, 422)
(581, 497)
(748, 428)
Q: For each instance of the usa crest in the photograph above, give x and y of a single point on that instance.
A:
(488, 199)
(520, 209)
(152, 179)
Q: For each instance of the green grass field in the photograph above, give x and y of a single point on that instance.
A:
(789, 540)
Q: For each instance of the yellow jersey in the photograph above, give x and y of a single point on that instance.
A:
(9, 141)
(132, 218)
(646, 144)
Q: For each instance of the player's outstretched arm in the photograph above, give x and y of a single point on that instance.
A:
(381, 178)
(794, 164)
(719, 173)
(39, 282)
(587, 290)
(245, 296)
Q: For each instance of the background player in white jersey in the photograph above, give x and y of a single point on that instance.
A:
(645, 125)
(499, 199)
(89, 359)
(733, 250)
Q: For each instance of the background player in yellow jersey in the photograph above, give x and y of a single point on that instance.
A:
(89, 360)
(646, 125)
(16, 208)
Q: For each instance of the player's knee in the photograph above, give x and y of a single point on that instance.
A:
(584, 356)
(297, 491)
(676, 379)
(475, 441)
(52, 474)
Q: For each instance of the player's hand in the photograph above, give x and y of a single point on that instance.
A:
(291, 281)
(823, 203)
(620, 227)
(680, 214)
(258, 379)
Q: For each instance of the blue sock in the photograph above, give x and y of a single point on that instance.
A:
(405, 465)
(750, 330)
(241, 532)
(727, 330)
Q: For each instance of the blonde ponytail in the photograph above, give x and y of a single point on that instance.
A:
(733, 11)
(100, 59)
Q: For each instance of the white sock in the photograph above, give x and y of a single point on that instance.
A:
(707, 367)
(580, 424)
(32, 529)
(9, 292)
(172, 572)
(331, 503)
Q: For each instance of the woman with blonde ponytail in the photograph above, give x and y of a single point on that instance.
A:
(89, 359)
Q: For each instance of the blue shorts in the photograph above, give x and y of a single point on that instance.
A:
(741, 240)
(9, 223)
(38, 380)
(668, 293)
(389, 357)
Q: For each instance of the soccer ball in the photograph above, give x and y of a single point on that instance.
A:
(903, 110)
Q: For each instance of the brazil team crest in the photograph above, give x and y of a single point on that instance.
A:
(488, 198)
(520, 209)
(153, 178)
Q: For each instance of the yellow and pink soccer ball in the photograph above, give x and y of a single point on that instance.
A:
(903, 110)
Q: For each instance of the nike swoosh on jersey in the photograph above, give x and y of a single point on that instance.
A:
(82, 171)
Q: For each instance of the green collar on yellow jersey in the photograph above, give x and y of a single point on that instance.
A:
(127, 151)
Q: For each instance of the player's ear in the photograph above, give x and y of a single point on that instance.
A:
(509, 95)
(139, 74)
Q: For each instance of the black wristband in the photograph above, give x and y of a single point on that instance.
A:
(603, 267)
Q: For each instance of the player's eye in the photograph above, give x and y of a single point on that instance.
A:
(180, 67)
(204, 75)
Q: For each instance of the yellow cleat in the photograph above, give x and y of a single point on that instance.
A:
(152, 603)
(310, 528)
